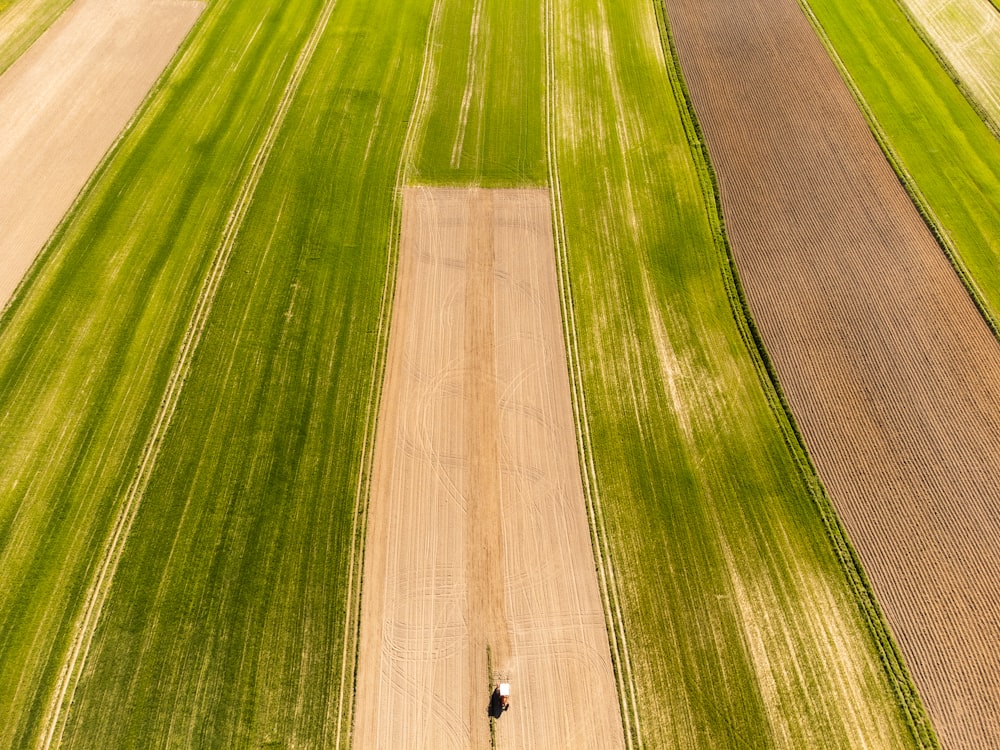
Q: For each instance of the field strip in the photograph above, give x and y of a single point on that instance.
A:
(433, 605)
(923, 203)
(421, 106)
(63, 104)
(887, 365)
(100, 586)
(472, 65)
(355, 577)
(610, 595)
(900, 680)
(930, 129)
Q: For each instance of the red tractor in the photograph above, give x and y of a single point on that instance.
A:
(500, 700)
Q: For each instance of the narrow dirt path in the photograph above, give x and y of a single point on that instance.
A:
(477, 533)
(893, 376)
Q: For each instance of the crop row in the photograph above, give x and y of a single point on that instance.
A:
(944, 153)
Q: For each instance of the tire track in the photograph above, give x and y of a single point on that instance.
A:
(100, 586)
(472, 66)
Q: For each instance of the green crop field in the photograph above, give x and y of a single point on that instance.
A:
(939, 143)
(960, 33)
(482, 121)
(187, 381)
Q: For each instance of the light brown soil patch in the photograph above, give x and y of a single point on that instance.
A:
(891, 373)
(63, 103)
(477, 533)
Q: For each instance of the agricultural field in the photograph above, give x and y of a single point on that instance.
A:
(62, 105)
(220, 227)
(697, 475)
(479, 120)
(479, 565)
(191, 396)
(965, 36)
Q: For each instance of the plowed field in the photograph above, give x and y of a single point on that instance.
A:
(892, 375)
(478, 552)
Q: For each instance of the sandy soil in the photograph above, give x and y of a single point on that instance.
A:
(477, 537)
(63, 103)
(891, 373)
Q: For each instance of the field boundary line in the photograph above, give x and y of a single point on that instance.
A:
(100, 586)
(362, 495)
(871, 613)
(608, 582)
(903, 175)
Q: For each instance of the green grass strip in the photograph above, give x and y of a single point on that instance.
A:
(483, 122)
(243, 630)
(708, 503)
(911, 13)
(225, 625)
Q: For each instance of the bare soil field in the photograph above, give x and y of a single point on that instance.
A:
(63, 104)
(892, 375)
(478, 550)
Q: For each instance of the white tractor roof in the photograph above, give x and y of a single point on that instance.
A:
(505, 688)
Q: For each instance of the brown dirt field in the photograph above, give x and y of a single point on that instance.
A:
(63, 104)
(477, 533)
(892, 375)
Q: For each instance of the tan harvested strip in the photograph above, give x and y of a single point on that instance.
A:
(478, 536)
(100, 585)
(893, 376)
